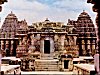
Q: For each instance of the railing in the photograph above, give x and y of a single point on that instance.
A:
(84, 69)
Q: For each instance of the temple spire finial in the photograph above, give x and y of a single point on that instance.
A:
(46, 19)
(24, 20)
(11, 12)
(83, 10)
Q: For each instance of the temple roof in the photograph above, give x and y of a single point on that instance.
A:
(11, 15)
(84, 14)
(11, 25)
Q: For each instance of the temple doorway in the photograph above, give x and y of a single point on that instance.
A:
(66, 64)
(47, 46)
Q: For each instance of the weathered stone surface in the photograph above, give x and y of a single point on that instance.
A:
(86, 31)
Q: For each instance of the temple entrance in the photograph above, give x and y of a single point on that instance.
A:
(66, 64)
(47, 46)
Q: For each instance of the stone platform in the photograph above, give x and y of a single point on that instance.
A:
(46, 73)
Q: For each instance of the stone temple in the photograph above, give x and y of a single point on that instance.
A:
(44, 44)
(86, 34)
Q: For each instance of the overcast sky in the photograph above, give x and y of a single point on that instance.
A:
(39, 10)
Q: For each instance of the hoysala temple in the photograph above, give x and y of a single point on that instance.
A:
(46, 43)
(76, 38)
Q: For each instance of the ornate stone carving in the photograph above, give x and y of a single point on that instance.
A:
(83, 26)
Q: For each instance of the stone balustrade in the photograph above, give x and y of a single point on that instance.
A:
(10, 69)
(84, 69)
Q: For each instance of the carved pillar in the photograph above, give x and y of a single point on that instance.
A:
(51, 45)
(25, 40)
(83, 47)
(88, 46)
(42, 46)
(7, 44)
(93, 49)
(66, 42)
(12, 42)
(55, 37)
(75, 40)
(2, 45)
(32, 40)
(38, 37)
(20, 42)
(62, 41)
(7, 48)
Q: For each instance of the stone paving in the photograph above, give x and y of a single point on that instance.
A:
(46, 73)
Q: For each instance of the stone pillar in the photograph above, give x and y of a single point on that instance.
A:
(75, 38)
(20, 41)
(66, 42)
(42, 46)
(51, 45)
(62, 41)
(7, 44)
(32, 40)
(83, 42)
(25, 40)
(2, 45)
(93, 47)
(69, 40)
(83, 47)
(55, 37)
(38, 37)
(7, 48)
(88, 46)
(12, 42)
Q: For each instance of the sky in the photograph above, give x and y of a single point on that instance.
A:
(38, 10)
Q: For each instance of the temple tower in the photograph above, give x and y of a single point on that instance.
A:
(87, 34)
(7, 34)
(8, 40)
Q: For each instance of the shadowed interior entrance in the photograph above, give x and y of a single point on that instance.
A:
(66, 64)
(47, 46)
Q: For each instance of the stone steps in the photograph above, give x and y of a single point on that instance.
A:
(46, 69)
(47, 56)
(46, 65)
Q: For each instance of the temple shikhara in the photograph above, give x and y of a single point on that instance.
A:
(86, 34)
(49, 46)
